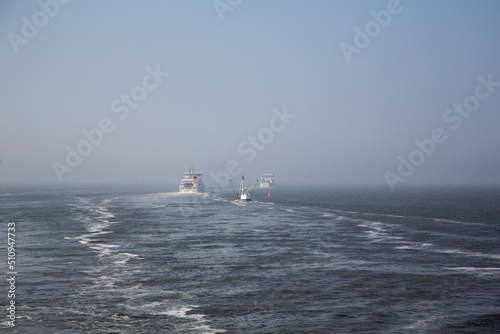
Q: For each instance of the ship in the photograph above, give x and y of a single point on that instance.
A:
(192, 182)
(267, 180)
(244, 194)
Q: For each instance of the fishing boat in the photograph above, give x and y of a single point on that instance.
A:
(244, 194)
(192, 182)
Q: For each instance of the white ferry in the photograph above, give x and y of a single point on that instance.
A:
(192, 182)
(267, 180)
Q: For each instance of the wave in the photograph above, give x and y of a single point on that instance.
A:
(191, 322)
(376, 231)
(477, 271)
(381, 214)
(199, 324)
(97, 220)
(416, 246)
(450, 221)
(474, 254)
(427, 247)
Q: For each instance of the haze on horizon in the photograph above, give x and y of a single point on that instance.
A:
(323, 92)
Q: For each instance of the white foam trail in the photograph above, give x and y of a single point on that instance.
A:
(480, 272)
(181, 312)
(421, 324)
(199, 325)
(473, 268)
(377, 232)
(405, 247)
(125, 257)
(457, 251)
(450, 221)
(417, 246)
(98, 227)
(425, 247)
(97, 223)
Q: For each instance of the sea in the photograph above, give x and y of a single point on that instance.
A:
(147, 259)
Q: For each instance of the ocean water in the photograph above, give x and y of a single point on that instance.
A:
(305, 260)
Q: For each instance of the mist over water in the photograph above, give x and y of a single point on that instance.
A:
(357, 92)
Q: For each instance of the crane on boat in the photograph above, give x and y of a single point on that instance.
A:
(244, 194)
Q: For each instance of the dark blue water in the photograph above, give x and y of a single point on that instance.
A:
(305, 260)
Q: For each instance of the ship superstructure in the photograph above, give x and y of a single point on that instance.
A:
(192, 182)
(267, 180)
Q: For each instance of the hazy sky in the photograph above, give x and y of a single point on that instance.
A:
(314, 91)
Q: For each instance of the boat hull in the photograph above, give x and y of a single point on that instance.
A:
(244, 197)
(191, 190)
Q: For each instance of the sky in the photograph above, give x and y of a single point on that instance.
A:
(318, 92)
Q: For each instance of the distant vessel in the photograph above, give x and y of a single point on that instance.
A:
(244, 194)
(192, 182)
(267, 180)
